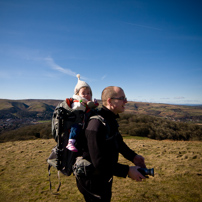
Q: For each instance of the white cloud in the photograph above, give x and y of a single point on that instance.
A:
(103, 77)
(53, 65)
(69, 72)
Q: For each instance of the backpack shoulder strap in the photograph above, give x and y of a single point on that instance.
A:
(103, 121)
(100, 118)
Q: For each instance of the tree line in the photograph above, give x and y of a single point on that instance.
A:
(158, 128)
(129, 125)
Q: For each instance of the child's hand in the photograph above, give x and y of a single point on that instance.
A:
(92, 104)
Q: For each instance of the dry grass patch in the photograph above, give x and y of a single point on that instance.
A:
(177, 164)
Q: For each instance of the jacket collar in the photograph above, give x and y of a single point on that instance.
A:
(109, 113)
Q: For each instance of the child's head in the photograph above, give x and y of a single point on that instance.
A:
(83, 89)
(85, 92)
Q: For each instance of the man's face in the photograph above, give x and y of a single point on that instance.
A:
(118, 102)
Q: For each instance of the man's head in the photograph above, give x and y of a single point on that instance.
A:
(113, 98)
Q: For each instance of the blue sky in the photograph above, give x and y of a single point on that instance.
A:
(152, 49)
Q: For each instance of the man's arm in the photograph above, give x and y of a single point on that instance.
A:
(128, 153)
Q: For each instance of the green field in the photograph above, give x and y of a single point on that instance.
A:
(177, 165)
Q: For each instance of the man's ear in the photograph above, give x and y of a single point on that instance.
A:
(109, 101)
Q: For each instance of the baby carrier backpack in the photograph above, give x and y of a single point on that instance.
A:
(63, 118)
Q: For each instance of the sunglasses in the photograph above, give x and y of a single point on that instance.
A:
(120, 98)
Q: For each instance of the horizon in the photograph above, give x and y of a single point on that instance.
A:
(184, 104)
(152, 49)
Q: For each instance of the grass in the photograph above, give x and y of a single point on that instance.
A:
(177, 166)
(135, 137)
(44, 121)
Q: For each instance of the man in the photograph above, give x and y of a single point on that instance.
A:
(103, 149)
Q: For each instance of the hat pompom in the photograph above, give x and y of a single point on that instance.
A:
(78, 76)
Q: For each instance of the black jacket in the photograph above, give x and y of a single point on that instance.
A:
(103, 151)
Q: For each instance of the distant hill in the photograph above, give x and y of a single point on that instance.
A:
(27, 108)
(43, 109)
(182, 113)
(19, 120)
(17, 113)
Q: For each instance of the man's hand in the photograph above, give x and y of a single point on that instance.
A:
(134, 174)
(139, 161)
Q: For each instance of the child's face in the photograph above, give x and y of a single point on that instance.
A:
(85, 93)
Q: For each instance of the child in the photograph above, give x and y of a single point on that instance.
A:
(82, 101)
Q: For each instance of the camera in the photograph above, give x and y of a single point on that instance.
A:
(145, 172)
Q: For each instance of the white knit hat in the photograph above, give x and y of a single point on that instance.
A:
(80, 85)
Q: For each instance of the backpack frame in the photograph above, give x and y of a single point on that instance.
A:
(63, 118)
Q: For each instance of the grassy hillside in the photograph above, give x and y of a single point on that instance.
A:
(177, 165)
